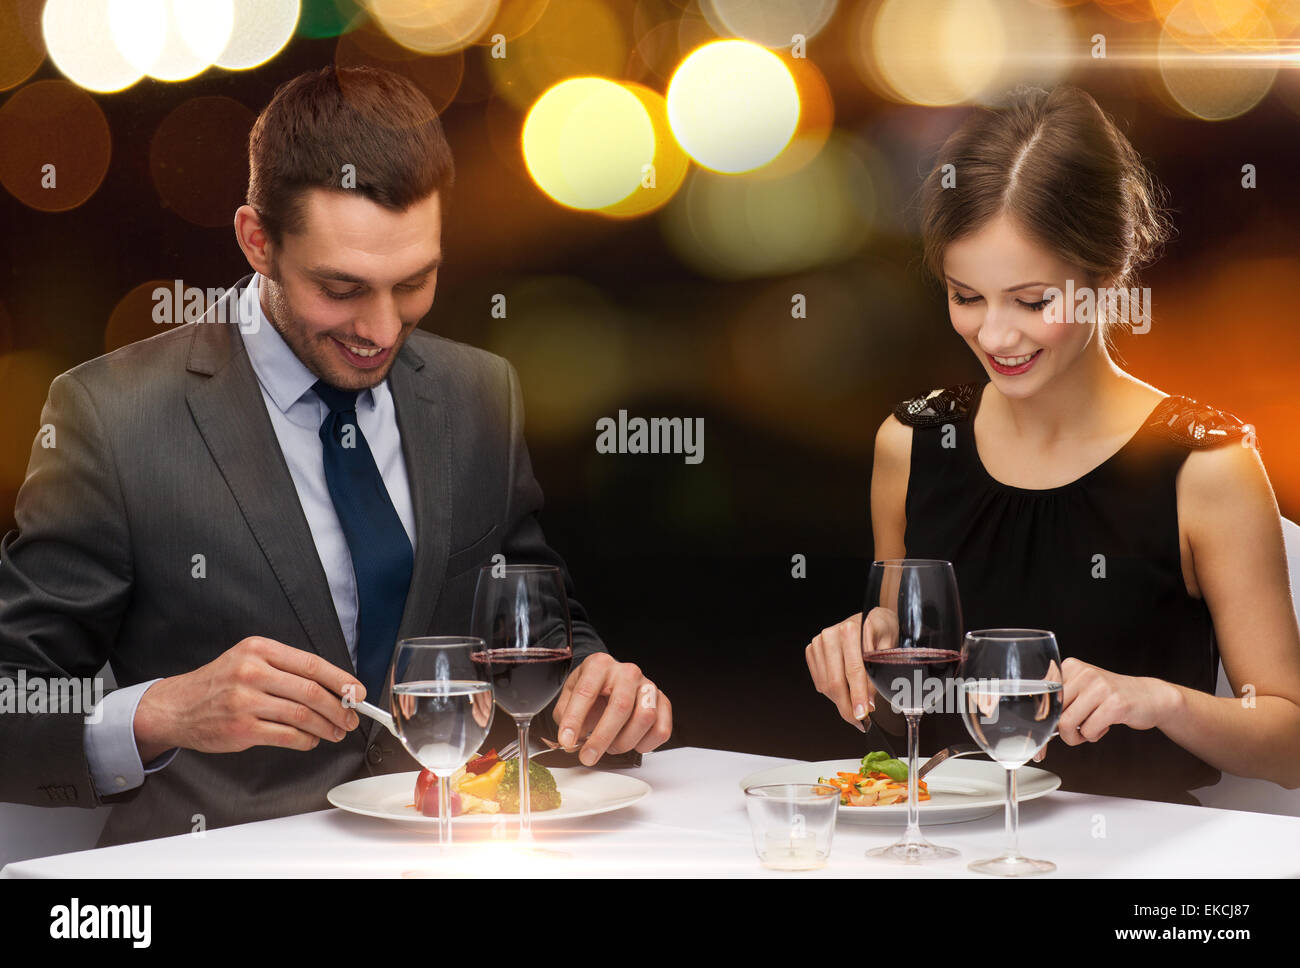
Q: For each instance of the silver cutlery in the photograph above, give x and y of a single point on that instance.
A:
(511, 749)
(951, 753)
(948, 753)
(377, 714)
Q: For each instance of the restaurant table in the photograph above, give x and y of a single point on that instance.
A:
(694, 824)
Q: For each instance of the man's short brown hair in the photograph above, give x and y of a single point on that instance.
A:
(318, 122)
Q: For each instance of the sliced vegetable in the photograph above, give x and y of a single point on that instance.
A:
(426, 795)
(485, 784)
(483, 763)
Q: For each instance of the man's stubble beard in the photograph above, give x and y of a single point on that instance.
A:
(280, 314)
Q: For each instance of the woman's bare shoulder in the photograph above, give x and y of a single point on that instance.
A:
(893, 438)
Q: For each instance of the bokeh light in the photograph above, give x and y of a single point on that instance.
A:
(261, 29)
(737, 227)
(513, 19)
(586, 142)
(1041, 44)
(574, 38)
(772, 23)
(132, 318)
(434, 28)
(733, 105)
(935, 52)
(171, 40)
(76, 34)
(198, 159)
(816, 118)
(1205, 83)
(21, 47)
(1285, 15)
(329, 18)
(663, 36)
(25, 377)
(55, 145)
(670, 162)
(439, 78)
(568, 342)
(1132, 11)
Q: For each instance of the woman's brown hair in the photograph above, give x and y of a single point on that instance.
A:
(1058, 165)
(318, 122)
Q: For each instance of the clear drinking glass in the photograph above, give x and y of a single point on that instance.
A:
(1010, 702)
(911, 667)
(792, 823)
(441, 700)
(521, 612)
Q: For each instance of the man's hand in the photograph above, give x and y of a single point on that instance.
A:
(258, 693)
(620, 707)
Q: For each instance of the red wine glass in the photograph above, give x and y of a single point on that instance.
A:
(521, 612)
(912, 667)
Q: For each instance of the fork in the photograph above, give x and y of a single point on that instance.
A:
(948, 753)
(952, 752)
(511, 749)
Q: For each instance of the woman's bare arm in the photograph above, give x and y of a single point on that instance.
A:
(889, 477)
(1234, 529)
(1230, 516)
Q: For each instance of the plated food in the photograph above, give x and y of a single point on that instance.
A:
(958, 789)
(488, 785)
(585, 792)
(879, 781)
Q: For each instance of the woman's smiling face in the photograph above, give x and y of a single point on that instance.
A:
(998, 280)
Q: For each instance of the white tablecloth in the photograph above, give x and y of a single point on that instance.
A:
(694, 824)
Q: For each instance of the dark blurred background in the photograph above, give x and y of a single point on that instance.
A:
(686, 310)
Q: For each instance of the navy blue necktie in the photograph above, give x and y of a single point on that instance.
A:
(381, 551)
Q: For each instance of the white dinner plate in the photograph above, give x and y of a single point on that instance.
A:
(960, 790)
(583, 792)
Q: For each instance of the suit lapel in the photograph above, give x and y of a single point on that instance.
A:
(230, 413)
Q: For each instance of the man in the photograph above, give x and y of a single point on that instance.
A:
(243, 519)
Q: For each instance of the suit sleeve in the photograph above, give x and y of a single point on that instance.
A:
(65, 580)
(523, 540)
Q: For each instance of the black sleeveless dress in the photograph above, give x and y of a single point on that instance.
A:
(1095, 561)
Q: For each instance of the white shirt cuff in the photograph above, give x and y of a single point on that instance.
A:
(111, 753)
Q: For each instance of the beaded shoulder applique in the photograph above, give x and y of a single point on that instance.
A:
(1190, 423)
(938, 406)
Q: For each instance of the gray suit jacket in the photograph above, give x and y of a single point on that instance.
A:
(163, 450)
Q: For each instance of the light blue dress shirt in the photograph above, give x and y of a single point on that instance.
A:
(296, 414)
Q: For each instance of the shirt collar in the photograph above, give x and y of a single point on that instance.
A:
(284, 377)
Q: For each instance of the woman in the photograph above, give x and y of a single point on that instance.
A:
(1140, 527)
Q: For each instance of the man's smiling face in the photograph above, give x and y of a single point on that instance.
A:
(358, 277)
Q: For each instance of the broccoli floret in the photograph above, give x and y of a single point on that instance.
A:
(542, 792)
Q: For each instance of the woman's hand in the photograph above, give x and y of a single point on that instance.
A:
(1094, 700)
(835, 661)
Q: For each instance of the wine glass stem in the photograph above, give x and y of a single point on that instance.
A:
(444, 811)
(913, 834)
(525, 795)
(1013, 816)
